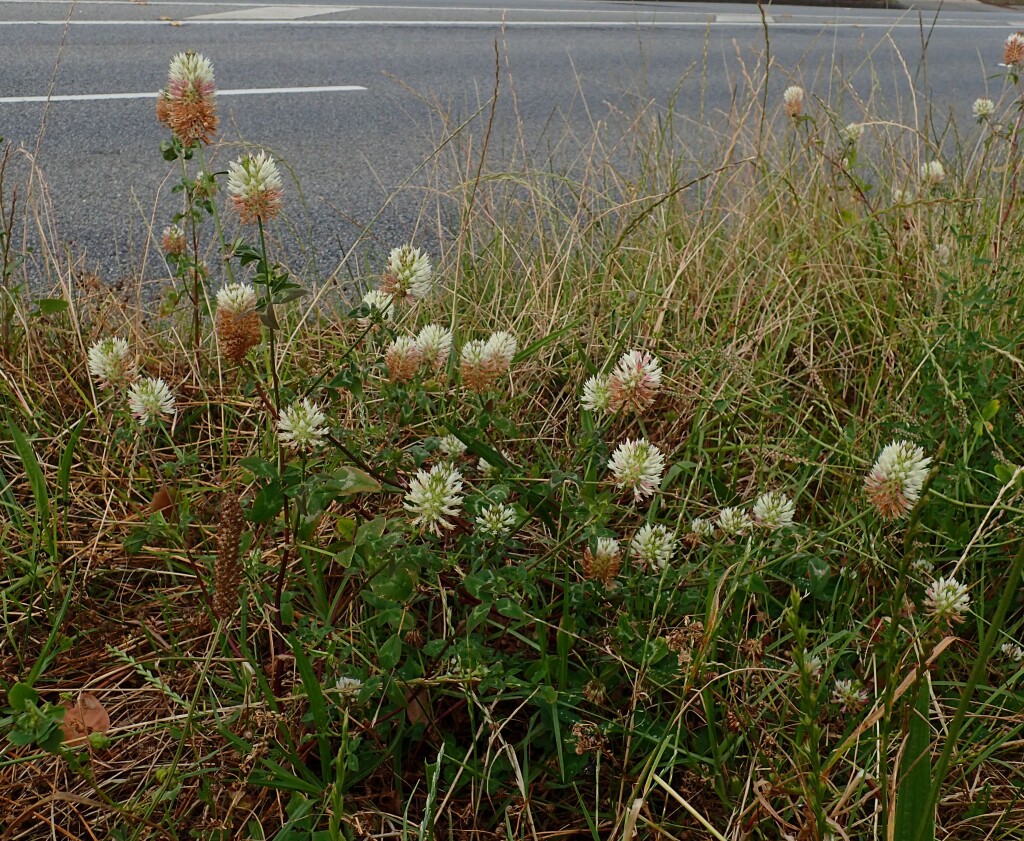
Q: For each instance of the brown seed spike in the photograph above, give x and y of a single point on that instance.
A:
(227, 572)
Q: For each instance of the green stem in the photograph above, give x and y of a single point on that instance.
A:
(225, 255)
(995, 628)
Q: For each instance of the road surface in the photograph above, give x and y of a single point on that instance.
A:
(350, 96)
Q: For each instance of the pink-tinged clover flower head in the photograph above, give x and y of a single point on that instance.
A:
(793, 100)
(894, 484)
(476, 366)
(255, 188)
(186, 105)
(302, 426)
(110, 362)
(434, 497)
(637, 466)
(634, 382)
(403, 358)
(500, 349)
(849, 695)
(151, 399)
(172, 241)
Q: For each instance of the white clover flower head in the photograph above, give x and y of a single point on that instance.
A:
(634, 382)
(773, 510)
(348, 685)
(255, 189)
(435, 345)
(703, 528)
(433, 497)
(379, 305)
(488, 470)
(499, 350)
(983, 108)
(851, 133)
(637, 466)
(110, 361)
(793, 100)
(237, 298)
(850, 695)
(496, 521)
(1011, 651)
(451, 446)
(947, 600)
(597, 395)
(408, 274)
(922, 566)
(932, 173)
(813, 664)
(653, 545)
(302, 426)
(734, 521)
(894, 484)
(151, 399)
(902, 195)
(403, 358)
(348, 688)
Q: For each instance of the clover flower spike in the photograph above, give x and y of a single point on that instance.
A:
(634, 382)
(434, 497)
(408, 276)
(894, 484)
(255, 188)
(110, 362)
(151, 399)
(653, 545)
(302, 426)
(773, 511)
(637, 466)
(947, 600)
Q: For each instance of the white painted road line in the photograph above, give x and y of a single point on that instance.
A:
(730, 17)
(273, 13)
(534, 24)
(94, 97)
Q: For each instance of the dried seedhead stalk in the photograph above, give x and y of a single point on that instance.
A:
(227, 572)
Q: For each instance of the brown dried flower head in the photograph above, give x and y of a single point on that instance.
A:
(238, 322)
(403, 358)
(603, 563)
(1013, 50)
(227, 571)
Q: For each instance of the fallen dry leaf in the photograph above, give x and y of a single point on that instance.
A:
(163, 502)
(82, 718)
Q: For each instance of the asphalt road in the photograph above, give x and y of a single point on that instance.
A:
(394, 68)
